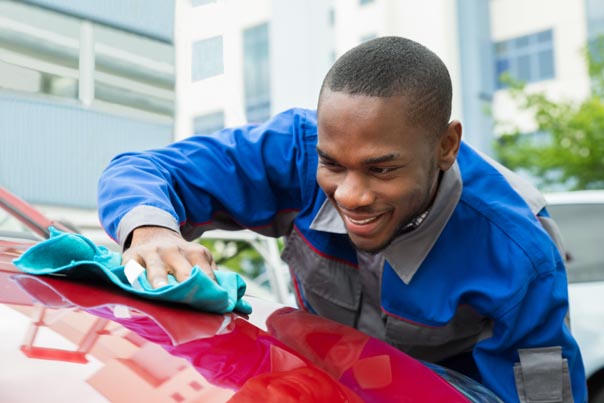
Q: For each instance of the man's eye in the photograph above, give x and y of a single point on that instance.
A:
(381, 171)
(329, 164)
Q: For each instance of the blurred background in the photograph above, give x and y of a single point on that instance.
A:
(83, 80)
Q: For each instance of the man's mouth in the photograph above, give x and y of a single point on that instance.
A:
(363, 221)
(364, 226)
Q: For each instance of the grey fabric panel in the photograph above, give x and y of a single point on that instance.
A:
(149, 215)
(542, 376)
(552, 229)
(519, 383)
(141, 216)
(328, 219)
(371, 319)
(435, 343)
(408, 251)
(332, 288)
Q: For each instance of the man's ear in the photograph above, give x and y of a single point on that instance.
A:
(448, 145)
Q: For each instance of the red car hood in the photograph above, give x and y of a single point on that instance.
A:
(75, 341)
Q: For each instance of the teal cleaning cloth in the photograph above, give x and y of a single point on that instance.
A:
(75, 256)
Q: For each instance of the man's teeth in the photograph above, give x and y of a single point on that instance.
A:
(361, 222)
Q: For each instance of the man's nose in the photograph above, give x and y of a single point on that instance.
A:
(353, 192)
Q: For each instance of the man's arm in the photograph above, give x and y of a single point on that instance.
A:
(237, 178)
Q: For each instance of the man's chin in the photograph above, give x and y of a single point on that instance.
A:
(369, 247)
(374, 246)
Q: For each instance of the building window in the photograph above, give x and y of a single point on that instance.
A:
(256, 73)
(331, 17)
(125, 72)
(208, 123)
(207, 58)
(527, 58)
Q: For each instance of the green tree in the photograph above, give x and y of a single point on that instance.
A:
(569, 147)
(238, 256)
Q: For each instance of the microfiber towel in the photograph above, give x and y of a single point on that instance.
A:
(75, 256)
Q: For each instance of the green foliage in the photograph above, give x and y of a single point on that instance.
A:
(238, 256)
(568, 148)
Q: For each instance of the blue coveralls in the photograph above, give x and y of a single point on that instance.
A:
(479, 285)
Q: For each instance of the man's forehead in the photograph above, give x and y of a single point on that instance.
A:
(358, 107)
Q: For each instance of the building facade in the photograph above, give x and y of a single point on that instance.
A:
(544, 47)
(81, 81)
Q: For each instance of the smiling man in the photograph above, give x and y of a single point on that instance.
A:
(393, 224)
(380, 171)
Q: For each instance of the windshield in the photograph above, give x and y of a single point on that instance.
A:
(581, 227)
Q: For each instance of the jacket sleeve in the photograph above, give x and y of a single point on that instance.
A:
(245, 177)
(531, 356)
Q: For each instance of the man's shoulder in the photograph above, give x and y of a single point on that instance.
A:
(487, 181)
(508, 204)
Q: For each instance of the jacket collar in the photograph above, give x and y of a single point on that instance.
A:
(407, 251)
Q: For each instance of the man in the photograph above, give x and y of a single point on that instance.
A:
(393, 224)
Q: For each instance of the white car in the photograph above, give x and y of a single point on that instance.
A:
(580, 216)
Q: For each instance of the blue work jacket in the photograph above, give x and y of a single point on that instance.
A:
(481, 279)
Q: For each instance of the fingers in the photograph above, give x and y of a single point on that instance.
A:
(179, 262)
(204, 260)
(157, 272)
(128, 255)
(163, 261)
(162, 251)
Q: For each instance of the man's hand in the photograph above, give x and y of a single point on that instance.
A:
(162, 251)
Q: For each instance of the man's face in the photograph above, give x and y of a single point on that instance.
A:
(377, 169)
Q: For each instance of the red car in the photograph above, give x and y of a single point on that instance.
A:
(72, 341)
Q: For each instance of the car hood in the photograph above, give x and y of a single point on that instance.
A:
(81, 341)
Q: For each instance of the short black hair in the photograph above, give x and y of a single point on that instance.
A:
(394, 66)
